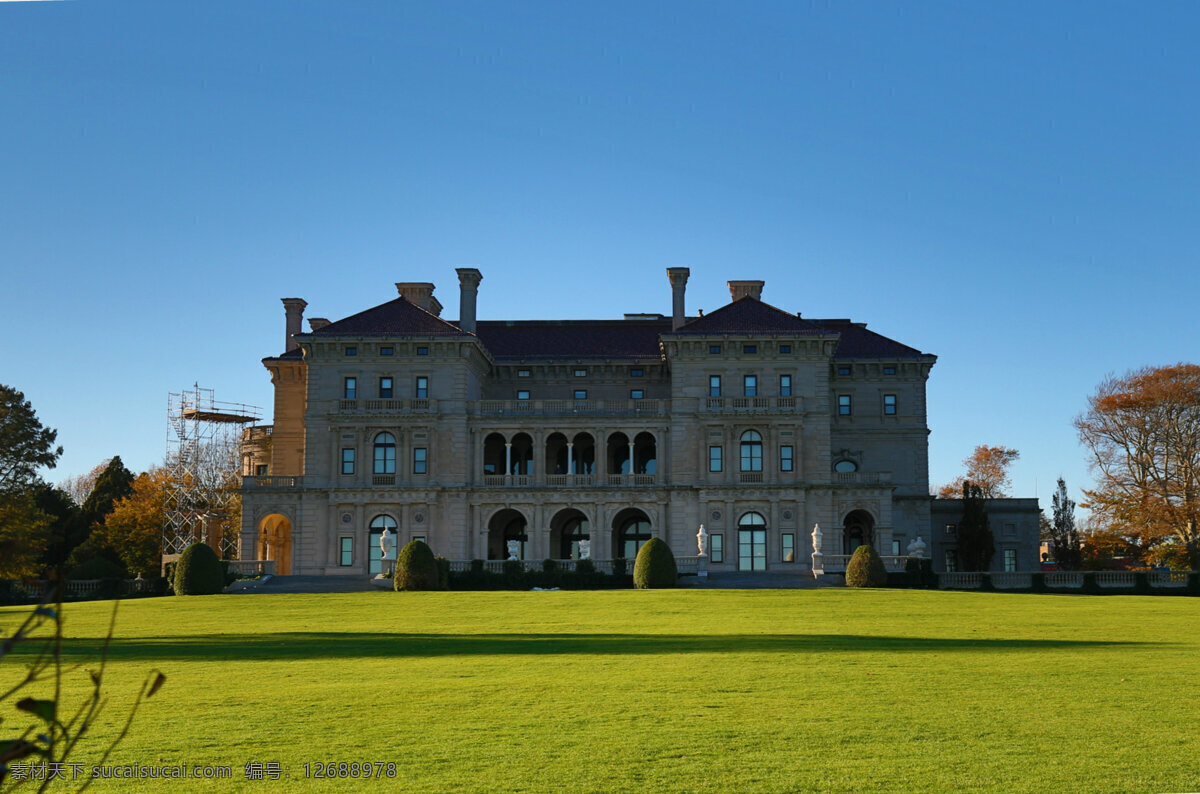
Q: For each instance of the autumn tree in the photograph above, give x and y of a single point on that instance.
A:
(1142, 431)
(114, 483)
(134, 528)
(79, 487)
(987, 469)
(1063, 533)
(976, 544)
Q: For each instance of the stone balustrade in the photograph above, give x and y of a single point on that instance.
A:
(567, 407)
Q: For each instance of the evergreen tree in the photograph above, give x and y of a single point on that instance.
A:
(113, 484)
(976, 544)
(1062, 529)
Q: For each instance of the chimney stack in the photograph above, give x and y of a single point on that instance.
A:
(420, 293)
(317, 323)
(468, 284)
(740, 289)
(293, 309)
(678, 277)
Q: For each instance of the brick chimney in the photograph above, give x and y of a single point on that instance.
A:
(468, 285)
(420, 293)
(293, 309)
(679, 278)
(740, 289)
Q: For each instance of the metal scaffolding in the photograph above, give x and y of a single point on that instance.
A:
(202, 458)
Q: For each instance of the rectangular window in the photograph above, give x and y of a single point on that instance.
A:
(522, 373)
(347, 551)
(843, 370)
(843, 405)
(785, 385)
(351, 350)
(1010, 560)
(420, 459)
(889, 404)
(714, 459)
(419, 537)
(581, 373)
(950, 529)
(896, 547)
(749, 349)
(714, 385)
(347, 460)
(750, 385)
(789, 547)
(785, 348)
(385, 388)
(260, 470)
(716, 547)
(350, 388)
(422, 351)
(637, 372)
(951, 561)
(636, 394)
(581, 394)
(422, 388)
(522, 395)
(714, 350)
(387, 351)
(785, 458)
(889, 370)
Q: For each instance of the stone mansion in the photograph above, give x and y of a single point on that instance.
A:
(754, 421)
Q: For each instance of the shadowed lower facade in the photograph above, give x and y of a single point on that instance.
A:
(469, 434)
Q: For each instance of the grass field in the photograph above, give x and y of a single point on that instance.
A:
(712, 690)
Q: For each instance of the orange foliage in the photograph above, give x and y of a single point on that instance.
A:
(986, 467)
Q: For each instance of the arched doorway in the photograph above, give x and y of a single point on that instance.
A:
(506, 525)
(631, 530)
(857, 530)
(375, 532)
(275, 542)
(752, 542)
(567, 528)
(618, 454)
(645, 454)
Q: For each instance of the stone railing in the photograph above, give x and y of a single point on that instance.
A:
(1012, 580)
(419, 405)
(862, 477)
(836, 563)
(750, 404)
(685, 564)
(272, 481)
(252, 567)
(567, 407)
(960, 580)
(1063, 579)
(1115, 578)
(507, 480)
(1168, 578)
(497, 566)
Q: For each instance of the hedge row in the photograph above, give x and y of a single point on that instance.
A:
(515, 577)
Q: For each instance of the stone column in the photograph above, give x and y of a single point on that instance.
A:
(507, 461)
(468, 283)
(293, 309)
(678, 277)
(570, 457)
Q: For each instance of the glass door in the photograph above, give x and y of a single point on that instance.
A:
(752, 550)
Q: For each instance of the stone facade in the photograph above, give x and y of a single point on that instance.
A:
(752, 420)
(1015, 525)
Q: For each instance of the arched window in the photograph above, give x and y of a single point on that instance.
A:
(633, 535)
(752, 520)
(377, 526)
(752, 449)
(845, 466)
(385, 454)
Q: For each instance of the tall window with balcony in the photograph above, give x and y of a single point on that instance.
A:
(750, 385)
(752, 451)
(349, 388)
(714, 385)
(422, 389)
(385, 455)
(385, 388)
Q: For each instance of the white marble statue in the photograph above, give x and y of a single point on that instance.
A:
(585, 549)
(387, 546)
(514, 548)
(816, 538)
(916, 548)
(702, 541)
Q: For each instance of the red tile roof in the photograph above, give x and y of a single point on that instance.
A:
(394, 318)
(748, 315)
(573, 339)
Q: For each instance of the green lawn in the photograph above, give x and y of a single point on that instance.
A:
(661, 691)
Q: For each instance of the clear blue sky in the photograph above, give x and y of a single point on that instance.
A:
(1010, 186)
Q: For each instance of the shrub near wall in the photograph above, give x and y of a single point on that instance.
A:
(199, 571)
(416, 567)
(866, 569)
(655, 566)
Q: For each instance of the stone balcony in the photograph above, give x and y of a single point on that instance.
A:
(272, 481)
(862, 478)
(415, 406)
(751, 404)
(569, 407)
(569, 480)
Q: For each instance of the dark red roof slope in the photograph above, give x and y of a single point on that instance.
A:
(748, 315)
(394, 318)
(857, 342)
(572, 339)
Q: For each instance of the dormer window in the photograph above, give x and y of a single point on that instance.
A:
(351, 350)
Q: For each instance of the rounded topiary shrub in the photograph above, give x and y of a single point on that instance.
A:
(199, 571)
(655, 566)
(866, 569)
(416, 568)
